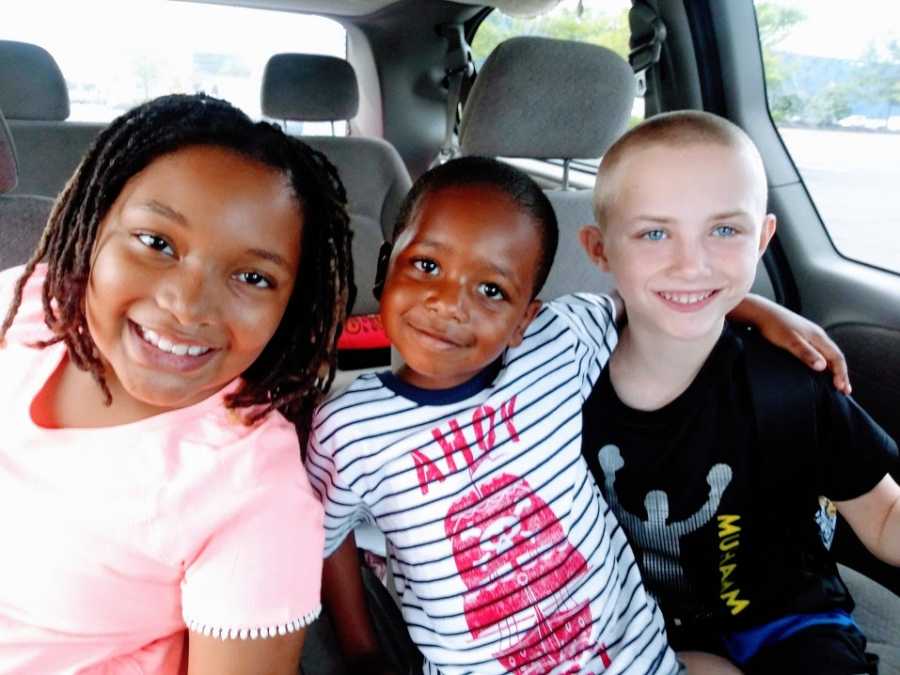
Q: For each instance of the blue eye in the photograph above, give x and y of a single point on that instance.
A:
(654, 235)
(724, 231)
(255, 279)
(156, 243)
(426, 265)
(491, 291)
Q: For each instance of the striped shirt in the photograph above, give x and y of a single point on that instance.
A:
(505, 556)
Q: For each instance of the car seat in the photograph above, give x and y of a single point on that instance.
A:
(22, 217)
(35, 100)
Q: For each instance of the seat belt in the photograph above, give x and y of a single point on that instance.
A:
(459, 68)
(648, 32)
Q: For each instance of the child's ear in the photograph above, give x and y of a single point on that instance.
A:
(381, 269)
(768, 230)
(591, 238)
(519, 333)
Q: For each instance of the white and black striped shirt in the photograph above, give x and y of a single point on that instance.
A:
(505, 556)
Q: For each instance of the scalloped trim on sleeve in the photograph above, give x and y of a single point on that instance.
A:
(224, 633)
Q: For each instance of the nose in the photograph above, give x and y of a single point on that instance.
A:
(447, 298)
(690, 260)
(188, 295)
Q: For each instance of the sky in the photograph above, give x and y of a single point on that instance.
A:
(78, 39)
(830, 29)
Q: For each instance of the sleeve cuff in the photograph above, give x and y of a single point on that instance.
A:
(255, 633)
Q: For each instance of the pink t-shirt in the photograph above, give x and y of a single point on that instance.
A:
(113, 540)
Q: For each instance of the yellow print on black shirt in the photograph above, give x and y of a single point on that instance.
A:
(729, 543)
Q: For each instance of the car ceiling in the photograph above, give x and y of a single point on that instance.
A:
(353, 8)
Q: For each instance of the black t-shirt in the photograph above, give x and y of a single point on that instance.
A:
(725, 542)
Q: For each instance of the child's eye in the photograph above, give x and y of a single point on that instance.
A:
(724, 231)
(156, 243)
(654, 235)
(255, 279)
(426, 265)
(491, 291)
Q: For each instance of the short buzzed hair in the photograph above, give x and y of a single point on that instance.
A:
(674, 129)
(487, 172)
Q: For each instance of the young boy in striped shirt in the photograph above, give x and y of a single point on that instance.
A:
(505, 557)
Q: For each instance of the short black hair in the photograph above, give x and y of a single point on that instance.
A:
(484, 171)
(297, 366)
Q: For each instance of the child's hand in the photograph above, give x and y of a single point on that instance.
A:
(796, 334)
(809, 343)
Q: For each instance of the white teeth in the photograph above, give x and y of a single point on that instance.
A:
(685, 298)
(165, 345)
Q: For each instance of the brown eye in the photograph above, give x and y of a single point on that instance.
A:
(255, 279)
(426, 265)
(491, 291)
(156, 243)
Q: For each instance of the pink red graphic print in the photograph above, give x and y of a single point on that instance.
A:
(513, 556)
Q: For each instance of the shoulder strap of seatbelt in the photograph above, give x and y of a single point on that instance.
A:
(459, 68)
(784, 405)
(648, 32)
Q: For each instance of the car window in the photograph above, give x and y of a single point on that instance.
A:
(602, 22)
(833, 82)
(160, 47)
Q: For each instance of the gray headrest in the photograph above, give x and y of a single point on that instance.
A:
(544, 98)
(8, 172)
(32, 86)
(309, 88)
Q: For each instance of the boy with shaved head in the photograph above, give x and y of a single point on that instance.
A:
(725, 516)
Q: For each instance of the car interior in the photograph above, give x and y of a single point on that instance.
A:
(410, 91)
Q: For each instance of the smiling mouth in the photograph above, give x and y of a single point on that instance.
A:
(166, 345)
(687, 299)
(438, 339)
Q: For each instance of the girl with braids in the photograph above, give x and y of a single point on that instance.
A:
(163, 349)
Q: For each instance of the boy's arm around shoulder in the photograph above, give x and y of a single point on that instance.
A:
(801, 337)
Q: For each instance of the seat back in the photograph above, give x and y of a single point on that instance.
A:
(35, 101)
(22, 217)
(309, 87)
(541, 98)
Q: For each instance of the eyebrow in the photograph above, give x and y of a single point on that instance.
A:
(170, 213)
(270, 256)
(664, 220)
(726, 215)
(164, 210)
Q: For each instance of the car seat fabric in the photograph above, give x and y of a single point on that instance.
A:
(32, 86)
(309, 87)
(877, 611)
(8, 170)
(545, 98)
(35, 100)
(22, 217)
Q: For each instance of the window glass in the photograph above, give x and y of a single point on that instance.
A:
(833, 81)
(602, 22)
(115, 55)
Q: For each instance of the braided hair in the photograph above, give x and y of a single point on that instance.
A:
(297, 366)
